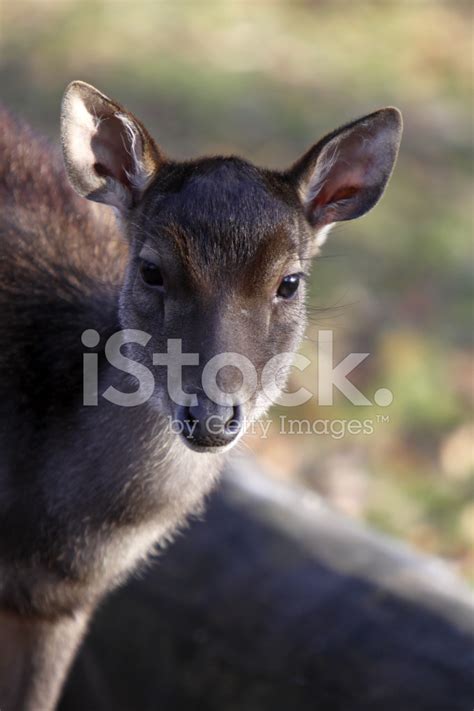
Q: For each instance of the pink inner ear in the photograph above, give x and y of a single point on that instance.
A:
(326, 198)
(109, 145)
(343, 181)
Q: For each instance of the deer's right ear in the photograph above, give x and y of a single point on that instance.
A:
(109, 155)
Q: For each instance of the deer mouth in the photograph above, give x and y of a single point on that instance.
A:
(210, 444)
(203, 448)
(213, 432)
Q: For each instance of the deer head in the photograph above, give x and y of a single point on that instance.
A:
(219, 250)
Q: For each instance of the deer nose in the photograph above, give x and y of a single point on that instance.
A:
(210, 425)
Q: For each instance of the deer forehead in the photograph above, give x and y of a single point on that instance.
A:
(221, 216)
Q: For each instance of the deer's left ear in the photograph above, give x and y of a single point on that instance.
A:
(344, 175)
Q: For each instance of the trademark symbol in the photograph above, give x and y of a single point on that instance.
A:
(383, 419)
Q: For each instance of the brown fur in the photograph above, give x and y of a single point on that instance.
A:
(86, 494)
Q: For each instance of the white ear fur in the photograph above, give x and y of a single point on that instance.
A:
(139, 176)
(310, 188)
(109, 156)
(322, 235)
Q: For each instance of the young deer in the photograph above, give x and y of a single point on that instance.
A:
(215, 254)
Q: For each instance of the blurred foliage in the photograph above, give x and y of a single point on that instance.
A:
(266, 79)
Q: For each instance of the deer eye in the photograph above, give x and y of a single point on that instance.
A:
(151, 274)
(289, 286)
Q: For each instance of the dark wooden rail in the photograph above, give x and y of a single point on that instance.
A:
(273, 602)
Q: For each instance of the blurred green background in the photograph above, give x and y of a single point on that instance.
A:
(266, 79)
